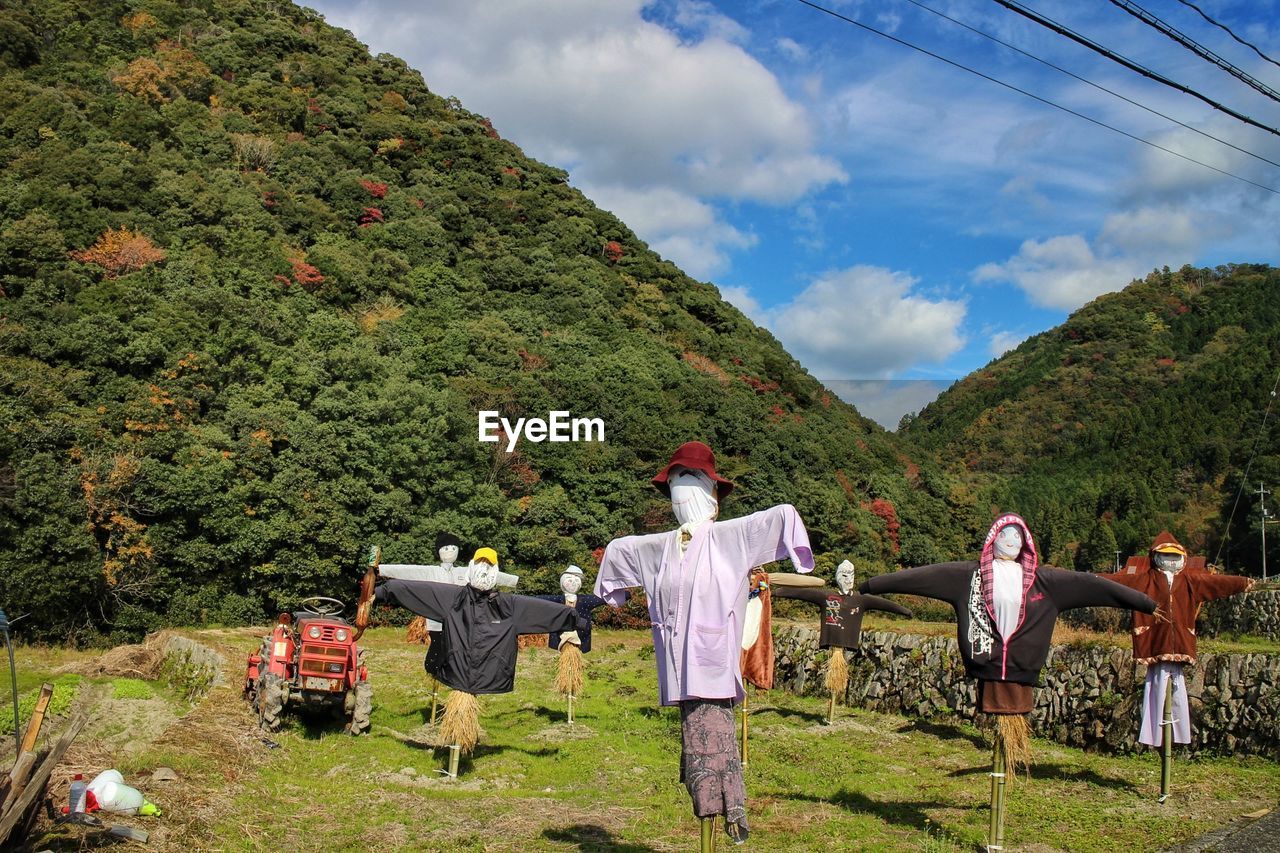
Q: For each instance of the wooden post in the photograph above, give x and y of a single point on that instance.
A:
(1166, 745)
(831, 709)
(708, 844)
(995, 833)
(37, 718)
(435, 699)
(745, 693)
(570, 709)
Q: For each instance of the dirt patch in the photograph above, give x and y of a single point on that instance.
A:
(563, 732)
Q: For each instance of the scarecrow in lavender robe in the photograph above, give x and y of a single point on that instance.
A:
(1006, 605)
(695, 578)
(1181, 585)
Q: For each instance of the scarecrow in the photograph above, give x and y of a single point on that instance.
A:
(569, 671)
(842, 612)
(695, 577)
(1181, 585)
(477, 641)
(422, 629)
(1006, 605)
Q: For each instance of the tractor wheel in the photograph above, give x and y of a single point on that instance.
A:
(272, 693)
(364, 708)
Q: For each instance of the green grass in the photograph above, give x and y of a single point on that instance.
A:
(871, 782)
(131, 688)
(65, 688)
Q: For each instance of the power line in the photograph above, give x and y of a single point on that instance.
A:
(1244, 478)
(1130, 64)
(1195, 47)
(1089, 82)
(1032, 95)
(1227, 30)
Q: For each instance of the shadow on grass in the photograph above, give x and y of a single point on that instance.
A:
(1059, 773)
(791, 713)
(589, 836)
(945, 732)
(907, 813)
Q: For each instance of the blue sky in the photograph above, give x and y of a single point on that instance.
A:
(887, 216)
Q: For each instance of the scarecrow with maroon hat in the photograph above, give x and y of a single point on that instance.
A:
(695, 577)
(1006, 605)
(1181, 585)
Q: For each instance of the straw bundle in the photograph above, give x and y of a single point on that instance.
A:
(418, 631)
(1015, 734)
(569, 670)
(460, 723)
(837, 672)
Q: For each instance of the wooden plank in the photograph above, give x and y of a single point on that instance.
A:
(17, 778)
(17, 807)
(37, 718)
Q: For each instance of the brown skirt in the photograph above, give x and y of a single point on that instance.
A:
(1005, 697)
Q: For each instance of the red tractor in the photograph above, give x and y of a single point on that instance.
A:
(311, 660)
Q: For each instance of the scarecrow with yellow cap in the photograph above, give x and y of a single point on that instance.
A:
(1181, 585)
(475, 653)
(695, 577)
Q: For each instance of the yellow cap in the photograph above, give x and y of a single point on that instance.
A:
(487, 554)
(1171, 548)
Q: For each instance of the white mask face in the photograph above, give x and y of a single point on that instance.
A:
(844, 577)
(1009, 542)
(570, 583)
(448, 555)
(1170, 562)
(482, 576)
(692, 497)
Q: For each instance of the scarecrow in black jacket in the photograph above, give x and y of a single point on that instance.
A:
(1006, 605)
(477, 643)
(842, 612)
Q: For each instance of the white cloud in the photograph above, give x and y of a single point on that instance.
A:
(1065, 272)
(885, 401)
(741, 298)
(1001, 342)
(866, 322)
(621, 102)
(792, 49)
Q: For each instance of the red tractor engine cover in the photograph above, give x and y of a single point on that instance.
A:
(327, 657)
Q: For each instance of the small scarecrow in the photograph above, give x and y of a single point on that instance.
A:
(569, 671)
(1181, 585)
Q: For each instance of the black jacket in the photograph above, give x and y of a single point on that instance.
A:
(986, 654)
(583, 606)
(477, 652)
(841, 614)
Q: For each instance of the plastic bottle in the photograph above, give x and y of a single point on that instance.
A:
(78, 789)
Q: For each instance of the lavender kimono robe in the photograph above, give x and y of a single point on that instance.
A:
(697, 602)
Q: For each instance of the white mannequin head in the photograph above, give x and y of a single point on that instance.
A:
(571, 580)
(844, 577)
(693, 496)
(482, 574)
(1009, 542)
(448, 554)
(1170, 562)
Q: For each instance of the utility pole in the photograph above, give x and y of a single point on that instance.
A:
(1262, 506)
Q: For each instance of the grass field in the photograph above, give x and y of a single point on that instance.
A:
(609, 782)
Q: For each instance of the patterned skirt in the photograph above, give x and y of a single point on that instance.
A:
(709, 764)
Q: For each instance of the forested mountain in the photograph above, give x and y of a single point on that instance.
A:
(257, 283)
(1138, 414)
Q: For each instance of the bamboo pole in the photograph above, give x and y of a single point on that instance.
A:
(708, 844)
(455, 752)
(1166, 745)
(995, 833)
(570, 709)
(745, 693)
(435, 699)
(37, 718)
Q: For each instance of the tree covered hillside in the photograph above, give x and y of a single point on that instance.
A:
(1137, 414)
(258, 283)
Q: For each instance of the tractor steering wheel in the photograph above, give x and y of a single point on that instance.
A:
(319, 605)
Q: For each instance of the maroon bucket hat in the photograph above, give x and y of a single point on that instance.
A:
(695, 456)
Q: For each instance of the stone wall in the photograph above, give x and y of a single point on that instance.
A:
(1090, 695)
(1256, 613)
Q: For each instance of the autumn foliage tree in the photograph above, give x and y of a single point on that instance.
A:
(120, 252)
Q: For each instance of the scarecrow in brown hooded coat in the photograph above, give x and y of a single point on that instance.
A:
(1181, 585)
